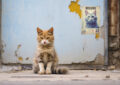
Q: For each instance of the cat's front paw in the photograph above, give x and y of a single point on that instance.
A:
(41, 72)
(48, 71)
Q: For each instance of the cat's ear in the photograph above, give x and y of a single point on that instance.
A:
(50, 31)
(39, 31)
(86, 12)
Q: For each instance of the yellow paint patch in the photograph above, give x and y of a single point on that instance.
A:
(19, 46)
(20, 58)
(75, 7)
(97, 35)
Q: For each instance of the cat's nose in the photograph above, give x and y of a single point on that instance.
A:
(44, 42)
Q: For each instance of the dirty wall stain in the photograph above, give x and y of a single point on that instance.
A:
(27, 58)
(75, 7)
(16, 53)
(2, 46)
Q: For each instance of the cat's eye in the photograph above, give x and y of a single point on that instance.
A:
(48, 37)
(41, 37)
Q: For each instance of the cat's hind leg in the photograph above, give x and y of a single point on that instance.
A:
(35, 66)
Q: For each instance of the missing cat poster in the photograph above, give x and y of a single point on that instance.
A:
(90, 20)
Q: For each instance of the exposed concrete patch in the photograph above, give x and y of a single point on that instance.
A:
(99, 60)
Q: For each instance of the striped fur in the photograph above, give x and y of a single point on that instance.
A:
(60, 71)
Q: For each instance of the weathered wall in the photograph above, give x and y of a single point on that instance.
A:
(20, 18)
(0, 31)
(114, 33)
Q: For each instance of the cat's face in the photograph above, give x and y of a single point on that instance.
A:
(91, 17)
(45, 37)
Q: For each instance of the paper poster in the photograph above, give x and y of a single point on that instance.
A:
(90, 20)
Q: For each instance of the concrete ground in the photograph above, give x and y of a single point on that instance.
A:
(74, 77)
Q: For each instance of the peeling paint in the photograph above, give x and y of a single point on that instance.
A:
(18, 47)
(3, 45)
(27, 58)
(75, 7)
(99, 60)
(20, 58)
(16, 53)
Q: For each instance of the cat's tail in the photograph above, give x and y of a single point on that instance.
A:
(60, 70)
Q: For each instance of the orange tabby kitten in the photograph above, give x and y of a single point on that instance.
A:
(46, 60)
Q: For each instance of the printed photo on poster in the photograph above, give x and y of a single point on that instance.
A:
(90, 20)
